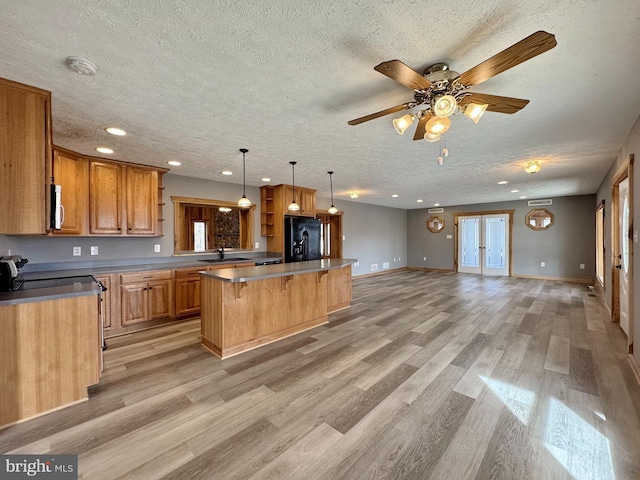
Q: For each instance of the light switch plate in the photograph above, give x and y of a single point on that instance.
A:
(77, 251)
(449, 237)
(94, 250)
(257, 244)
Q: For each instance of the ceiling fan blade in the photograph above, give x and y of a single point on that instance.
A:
(420, 130)
(403, 74)
(516, 54)
(496, 103)
(382, 113)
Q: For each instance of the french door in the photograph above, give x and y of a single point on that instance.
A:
(483, 244)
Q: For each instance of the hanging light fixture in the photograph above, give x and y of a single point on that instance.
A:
(430, 137)
(402, 123)
(332, 210)
(293, 206)
(244, 202)
(532, 167)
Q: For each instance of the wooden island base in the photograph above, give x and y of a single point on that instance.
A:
(241, 309)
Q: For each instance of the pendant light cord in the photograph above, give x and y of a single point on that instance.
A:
(331, 185)
(243, 175)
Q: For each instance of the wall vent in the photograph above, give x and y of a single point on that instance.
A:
(436, 210)
(540, 203)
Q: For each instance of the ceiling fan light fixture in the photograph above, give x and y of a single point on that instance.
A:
(401, 124)
(430, 137)
(444, 105)
(474, 111)
(437, 125)
(532, 167)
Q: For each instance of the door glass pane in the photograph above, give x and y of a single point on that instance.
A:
(470, 233)
(495, 246)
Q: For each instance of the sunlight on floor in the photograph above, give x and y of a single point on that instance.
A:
(518, 400)
(583, 451)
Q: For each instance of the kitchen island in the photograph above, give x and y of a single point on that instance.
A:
(243, 308)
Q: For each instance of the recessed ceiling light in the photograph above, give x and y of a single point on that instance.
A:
(227, 172)
(436, 204)
(395, 195)
(175, 163)
(419, 201)
(116, 131)
(502, 182)
(104, 150)
(523, 196)
(515, 191)
(266, 179)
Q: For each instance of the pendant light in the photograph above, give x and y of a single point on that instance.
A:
(332, 210)
(244, 202)
(293, 206)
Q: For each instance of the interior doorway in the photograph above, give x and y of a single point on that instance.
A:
(622, 233)
(331, 234)
(483, 242)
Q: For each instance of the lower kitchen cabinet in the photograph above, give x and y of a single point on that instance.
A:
(188, 292)
(146, 296)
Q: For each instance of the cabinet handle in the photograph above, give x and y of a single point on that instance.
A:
(147, 277)
(129, 228)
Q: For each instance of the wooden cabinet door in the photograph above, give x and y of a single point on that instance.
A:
(289, 195)
(142, 201)
(25, 156)
(187, 296)
(133, 303)
(105, 198)
(308, 202)
(160, 297)
(72, 173)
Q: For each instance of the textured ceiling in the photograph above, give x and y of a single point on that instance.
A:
(195, 80)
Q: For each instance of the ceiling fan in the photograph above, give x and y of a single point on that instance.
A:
(444, 92)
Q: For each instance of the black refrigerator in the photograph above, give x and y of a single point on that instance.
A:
(301, 239)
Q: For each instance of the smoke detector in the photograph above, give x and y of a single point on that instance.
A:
(82, 66)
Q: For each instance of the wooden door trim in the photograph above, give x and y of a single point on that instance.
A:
(625, 171)
(510, 213)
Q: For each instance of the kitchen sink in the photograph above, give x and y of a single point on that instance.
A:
(230, 260)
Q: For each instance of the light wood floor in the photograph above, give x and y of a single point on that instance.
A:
(427, 376)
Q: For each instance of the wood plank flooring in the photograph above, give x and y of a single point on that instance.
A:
(428, 375)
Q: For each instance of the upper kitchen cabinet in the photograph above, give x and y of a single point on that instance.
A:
(124, 199)
(305, 198)
(71, 172)
(25, 158)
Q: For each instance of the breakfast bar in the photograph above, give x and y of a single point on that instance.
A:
(243, 308)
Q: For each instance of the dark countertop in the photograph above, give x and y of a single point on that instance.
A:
(136, 265)
(247, 274)
(51, 293)
(80, 269)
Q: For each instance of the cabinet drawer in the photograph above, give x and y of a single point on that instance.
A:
(146, 276)
(190, 272)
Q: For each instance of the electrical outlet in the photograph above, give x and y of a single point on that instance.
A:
(344, 237)
(424, 258)
(385, 265)
(77, 251)
(257, 245)
(582, 266)
(542, 264)
(156, 248)
(399, 259)
(94, 250)
(449, 237)
(394, 259)
(374, 267)
(357, 264)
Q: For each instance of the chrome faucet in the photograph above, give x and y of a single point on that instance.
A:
(221, 252)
